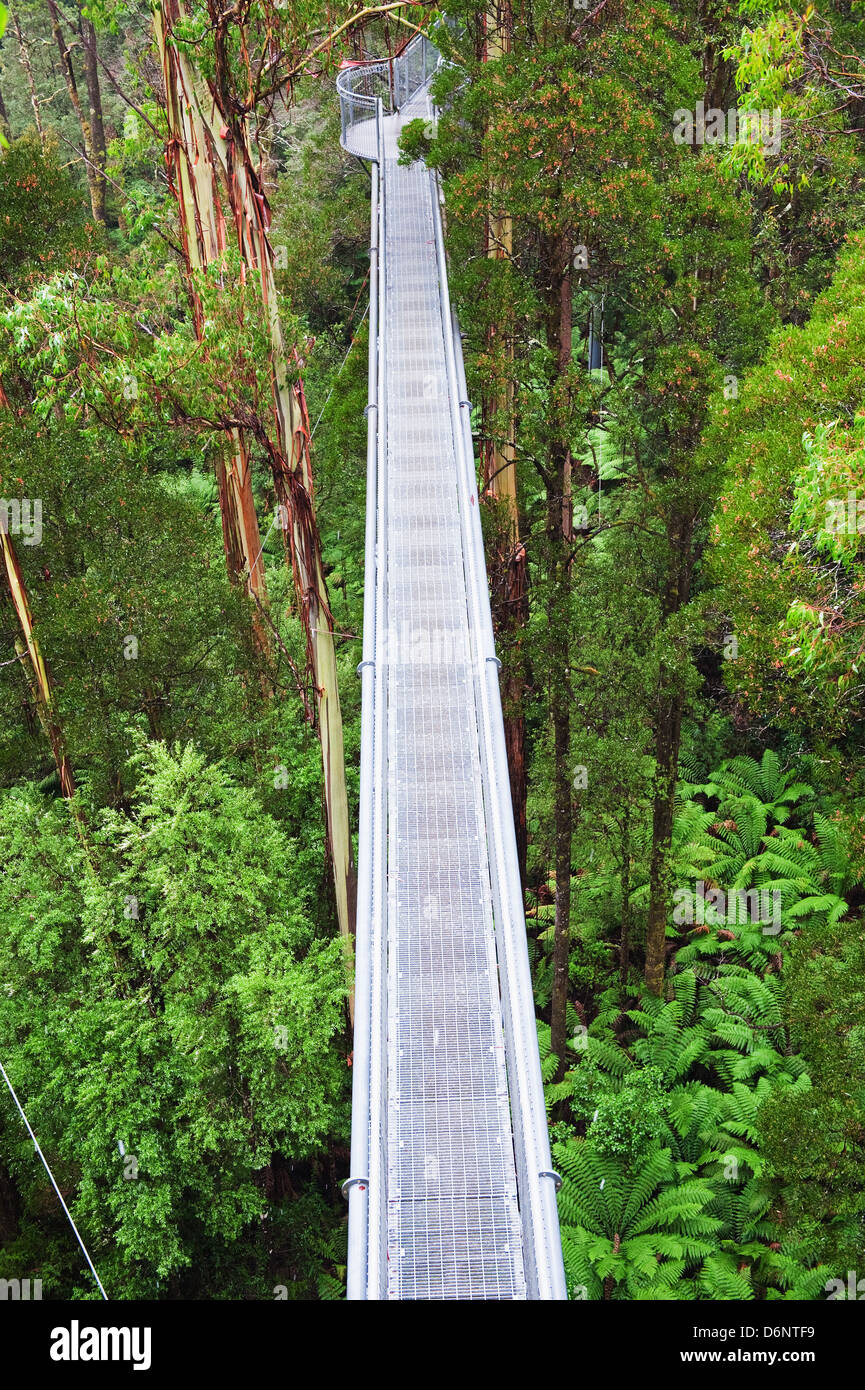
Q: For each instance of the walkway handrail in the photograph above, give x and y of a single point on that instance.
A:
(536, 1181)
(377, 1223)
(367, 1109)
(361, 94)
(397, 79)
(366, 1188)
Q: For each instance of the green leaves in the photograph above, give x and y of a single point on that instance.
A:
(670, 1194)
(630, 1233)
(199, 1027)
(786, 561)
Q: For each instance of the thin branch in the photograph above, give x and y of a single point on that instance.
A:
(369, 12)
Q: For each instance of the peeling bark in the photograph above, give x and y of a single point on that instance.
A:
(195, 181)
(219, 128)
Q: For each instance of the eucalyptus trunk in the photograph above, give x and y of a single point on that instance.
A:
(33, 660)
(227, 161)
(95, 176)
(96, 123)
(668, 732)
(195, 180)
(31, 81)
(5, 127)
(560, 336)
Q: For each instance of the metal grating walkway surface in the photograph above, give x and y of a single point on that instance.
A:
(452, 1212)
(451, 1194)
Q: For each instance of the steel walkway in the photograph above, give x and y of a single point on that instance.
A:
(451, 1194)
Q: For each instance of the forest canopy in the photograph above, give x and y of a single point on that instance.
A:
(663, 319)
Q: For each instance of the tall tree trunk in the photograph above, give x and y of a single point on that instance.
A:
(195, 181)
(39, 678)
(31, 82)
(5, 128)
(288, 441)
(94, 182)
(560, 334)
(718, 72)
(563, 811)
(668, 730)
(507, 559)
(667, 734)
(96, 122)
(625, 943)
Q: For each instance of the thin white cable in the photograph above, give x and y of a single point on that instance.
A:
(53, 1183)
(276, 514)
(339, 374)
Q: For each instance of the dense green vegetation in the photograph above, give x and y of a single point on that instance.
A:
(664, 341)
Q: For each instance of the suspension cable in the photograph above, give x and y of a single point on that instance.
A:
(53, 1183)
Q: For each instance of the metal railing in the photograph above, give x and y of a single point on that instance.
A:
(537, 1182)
(413, 69)
(367, 1148)
(393, 82)
(366, 93)
(362, 90)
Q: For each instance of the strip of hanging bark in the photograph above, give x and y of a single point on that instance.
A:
(299, 684)
(291, 467)
(38, 674)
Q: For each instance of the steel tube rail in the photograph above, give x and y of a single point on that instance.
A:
(517, 969)
(545, 1268)
(367, 1188)
(357, 1186)
(377, 1229)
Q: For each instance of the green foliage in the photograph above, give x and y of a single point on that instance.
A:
(167, 992)
(794, 599)
(725, 1092)
(43, 228)
(679, 1132)
(172, 991)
